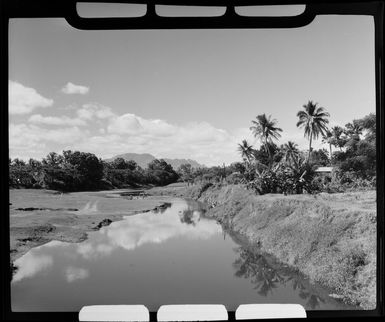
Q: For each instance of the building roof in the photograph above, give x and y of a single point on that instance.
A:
(324, 169)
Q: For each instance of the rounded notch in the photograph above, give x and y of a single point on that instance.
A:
(270, 10)
(110, 9)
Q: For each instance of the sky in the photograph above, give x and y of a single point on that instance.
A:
(180, 93)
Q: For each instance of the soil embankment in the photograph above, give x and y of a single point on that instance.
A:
(39, 216)
(329, 237)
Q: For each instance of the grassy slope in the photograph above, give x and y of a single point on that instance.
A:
(330, 238)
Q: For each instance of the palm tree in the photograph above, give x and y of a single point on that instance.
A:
(337, 138)
(290, 152)
(328, 138)
(353, 130)
(314, 120)
(266, 130)
(246, 150)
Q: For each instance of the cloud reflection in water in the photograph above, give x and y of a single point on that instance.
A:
(148, 228)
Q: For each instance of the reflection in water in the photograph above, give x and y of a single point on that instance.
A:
(31, 264)
(89, 208)
(267, 275)
(141, 229)
(191, 215)
(75, 273)
(176, 255)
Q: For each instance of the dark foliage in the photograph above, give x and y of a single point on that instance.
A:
(77, 171)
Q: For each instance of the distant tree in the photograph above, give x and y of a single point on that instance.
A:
(368, 123)
(185, 172)
(319, 158)
(132, 165)
(159, 172)
(337, 139)
(290, 152)
(313, 119)
(266, 130)
(53, 159)
(246, 151)
(18, 162)
(327, 138)
(353, 129)
(237, 167)
(119, 163)
(34, 164)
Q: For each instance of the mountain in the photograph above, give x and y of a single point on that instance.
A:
(144, 159)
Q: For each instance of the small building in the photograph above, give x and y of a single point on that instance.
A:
(324, 170)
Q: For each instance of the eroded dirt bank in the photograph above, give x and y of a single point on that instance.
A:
(329, 237)
(39, 216)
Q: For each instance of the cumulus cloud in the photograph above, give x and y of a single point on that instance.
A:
(132, 124)
(31, 264)
(32, 141)
(23, 100)
(55, 120)
(74, 273)
(71, 88)
(94, 111)
(142, 229)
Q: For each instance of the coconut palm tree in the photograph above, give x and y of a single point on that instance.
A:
(337, 139)
(353, 130)
(327, 138)
(266, 130)
(313, 119)
(246, 150)
(291, 152)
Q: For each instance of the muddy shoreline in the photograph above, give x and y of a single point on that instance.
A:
(38, 224)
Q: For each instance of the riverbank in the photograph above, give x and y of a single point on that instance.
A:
(40, 216)
(331, 238)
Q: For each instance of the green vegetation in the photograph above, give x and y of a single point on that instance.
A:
(285, 169)
(80, 171)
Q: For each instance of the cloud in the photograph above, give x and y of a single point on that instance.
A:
(135, 125)
(30, 264)
(75, 273)
(71, 88)
(94, 111)
(23, 100)
(54, 120)
(31, 141)
(142, 229)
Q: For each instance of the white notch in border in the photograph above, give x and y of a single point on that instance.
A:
(269, 311)
(200, 312)
(114, 313)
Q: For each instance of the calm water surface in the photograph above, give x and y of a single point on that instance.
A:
(167, 257)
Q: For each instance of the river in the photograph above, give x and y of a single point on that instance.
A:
(173, 255)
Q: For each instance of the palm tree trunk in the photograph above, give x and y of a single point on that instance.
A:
(268, 153)
(308, 157)
(330, 147)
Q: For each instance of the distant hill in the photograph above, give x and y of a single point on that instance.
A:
(144, 159)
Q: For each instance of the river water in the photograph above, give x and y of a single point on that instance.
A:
(170, 256)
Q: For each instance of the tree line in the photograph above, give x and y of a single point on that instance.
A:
(79, 171)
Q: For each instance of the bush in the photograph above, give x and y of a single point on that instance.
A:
(234, 178)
